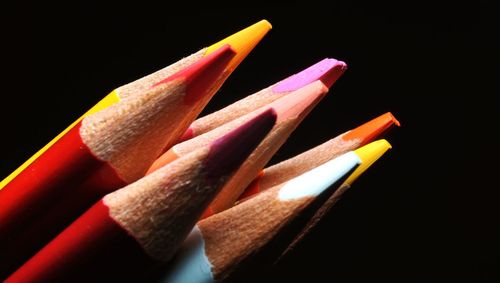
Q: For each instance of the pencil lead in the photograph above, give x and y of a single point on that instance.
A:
(327, 70)
(188, 134)
(368, 155)
(243, 42)
(297, 102)
(172, 155)
(291, 110)
(333, 74)
(131, 230)
(230, 150)
(314, 182)
(210, 254)
(203, 75)
(372, 129)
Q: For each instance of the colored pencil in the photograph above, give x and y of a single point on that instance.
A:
(223, 243)
(242, 42)
(378, 148)
(103, 152)
(131, 229)
(327, 70)
(291, 110)
(350, 140)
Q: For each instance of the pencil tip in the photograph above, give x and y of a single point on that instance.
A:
(188, 134)
(165, 158)
(229, 151)
(317, 180)
(372, 129)
(327, 70)
(333, 74)
(368, 155)
(201, 77)
(299, 101)
(243, 42)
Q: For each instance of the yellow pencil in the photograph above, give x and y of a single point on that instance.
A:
(242, 42)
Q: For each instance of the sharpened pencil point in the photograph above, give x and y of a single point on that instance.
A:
(203, 75)
(317, 180)
(243, 42)
(327, 70)
(188, 134)
(298, 101)
(229, 151)
(334, 73)
(165, 158)
(372, 129)
(368, 155)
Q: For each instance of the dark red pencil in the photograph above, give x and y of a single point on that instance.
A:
(144, 223)
(103, 152)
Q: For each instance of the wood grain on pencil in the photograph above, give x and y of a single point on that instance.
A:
(145, 222)
(327, 70)
(368, 155)
(291, 110)
(102, 153)
(290, 168)
(220, 244)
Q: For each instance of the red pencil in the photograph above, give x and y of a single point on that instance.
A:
(100, 154)
(144, 223)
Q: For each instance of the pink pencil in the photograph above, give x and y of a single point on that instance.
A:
(327, 71)
(291, 110)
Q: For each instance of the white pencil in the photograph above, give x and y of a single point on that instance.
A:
(218, 245)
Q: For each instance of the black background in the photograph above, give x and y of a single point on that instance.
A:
(426, 212)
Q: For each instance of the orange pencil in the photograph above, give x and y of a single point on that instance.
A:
(291, 110)
(144, 223)
(103, 152)
(350, 140)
